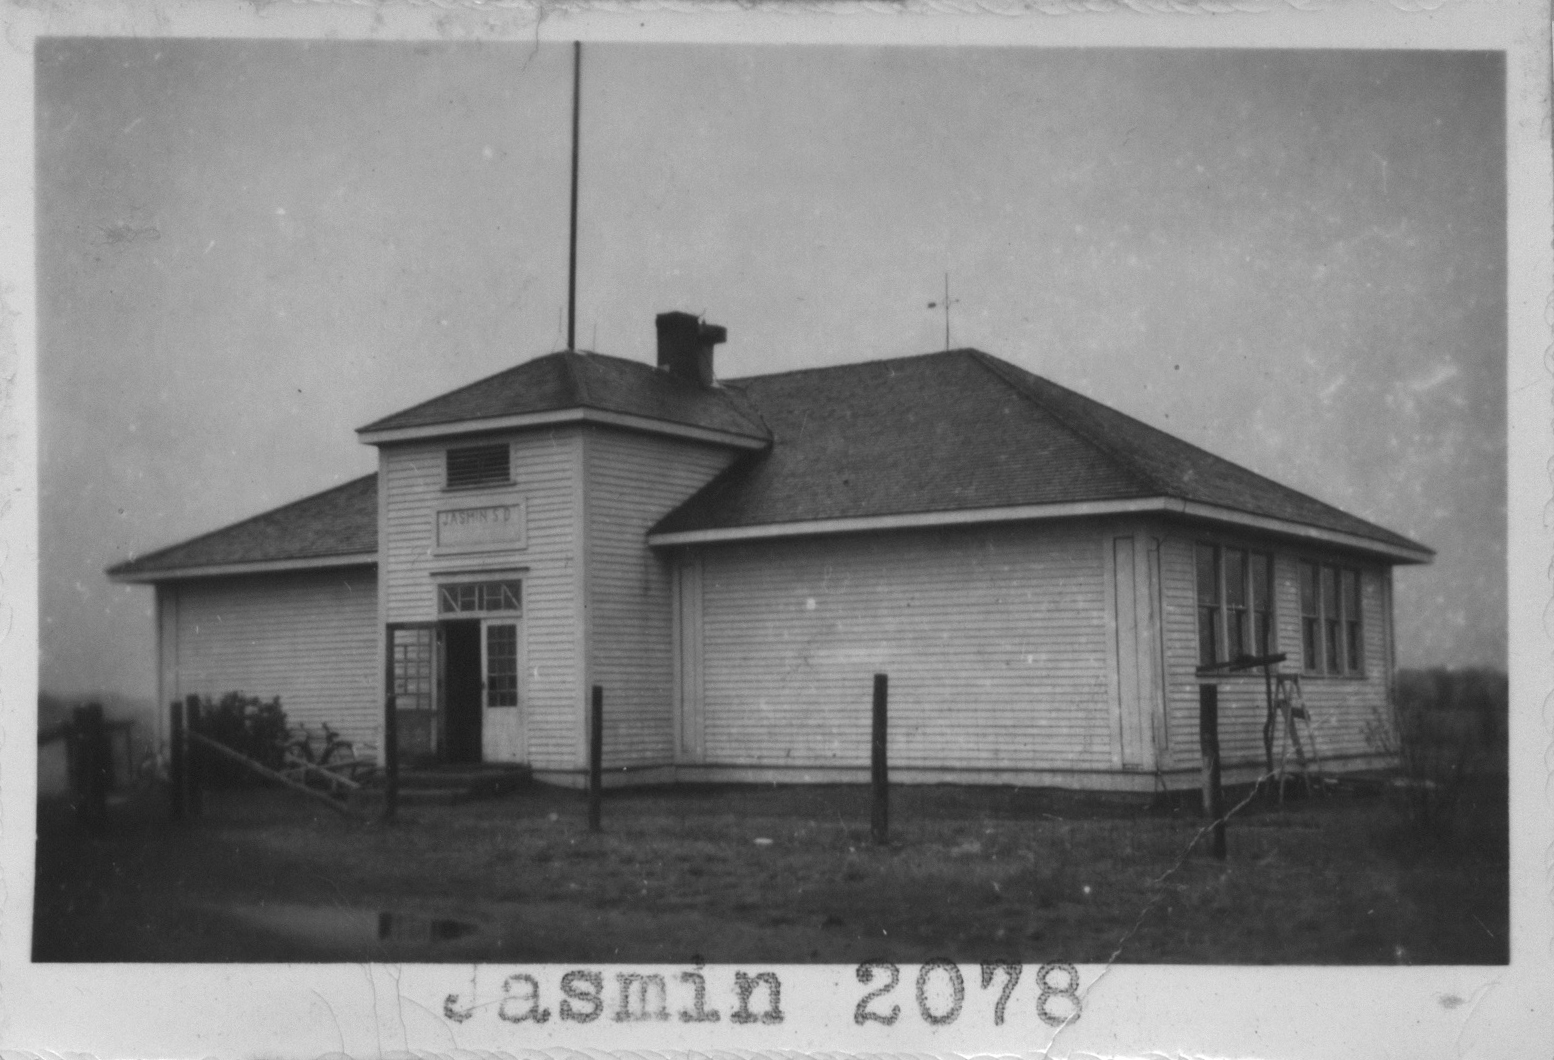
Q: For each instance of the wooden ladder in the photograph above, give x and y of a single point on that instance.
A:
(1290, 705)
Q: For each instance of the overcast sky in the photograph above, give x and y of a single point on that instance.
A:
(249, 249)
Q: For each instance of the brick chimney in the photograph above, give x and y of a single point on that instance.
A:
(685, 346)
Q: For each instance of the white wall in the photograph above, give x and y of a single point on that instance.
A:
(633, 480)
(308, 637)
(996, 640)
(1341, 707)
(547, 474)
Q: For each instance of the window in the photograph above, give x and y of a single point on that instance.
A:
(502, 664)
(1208, 605)
(1310, 616)
(460, 597)
(1235, 603)
(412, 660)
(1331, 637)
(1261, 577)
(1355, 644)
(479, 465)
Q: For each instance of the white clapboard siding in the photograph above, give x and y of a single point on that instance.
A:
(546, 467)
(632, 481)
(309, 638)
(995, 642)
(1344, 710)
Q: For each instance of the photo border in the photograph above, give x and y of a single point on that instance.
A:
(371, 1010)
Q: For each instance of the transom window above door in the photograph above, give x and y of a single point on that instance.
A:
(457, 598)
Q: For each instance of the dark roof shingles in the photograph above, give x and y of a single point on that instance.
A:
(342, 521)
(964, 430)
(574, 379)
(953, 431)
(917, 434)
(1183, 470)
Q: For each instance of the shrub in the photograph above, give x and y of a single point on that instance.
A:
(1447, 728)
(250, 726)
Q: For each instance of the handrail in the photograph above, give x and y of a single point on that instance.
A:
(266, 771)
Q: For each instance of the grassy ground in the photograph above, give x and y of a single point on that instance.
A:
(678, 874)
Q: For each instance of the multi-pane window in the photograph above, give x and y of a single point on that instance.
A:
(502, 664)
(479, 465)
(1352, 640)
(1208, 604)
(412, 660)
(1331, 636)
(1260, 576)
(1332, 623)
(1310, 617)
(1235, 603)
(459, 597)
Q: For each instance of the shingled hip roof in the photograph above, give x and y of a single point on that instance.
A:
(336, 527)
(574, 380)
(964, 432)
(958, 436)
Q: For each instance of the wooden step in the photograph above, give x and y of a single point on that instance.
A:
(446, 784)
(415, 796)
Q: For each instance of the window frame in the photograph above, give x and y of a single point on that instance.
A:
(490, 480)
(1332, 619)
(503, 690)
(1240, 608)
(453, 591)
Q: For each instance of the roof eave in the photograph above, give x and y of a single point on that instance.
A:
(521, 421)
(218, 570)
(1393, 551)
(1037, 512)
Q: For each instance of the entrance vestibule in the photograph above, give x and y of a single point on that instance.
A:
(455, 685)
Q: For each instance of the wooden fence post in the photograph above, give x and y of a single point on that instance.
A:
(1208, 738)
(91, 764)
(176, 748)
(390, 740)
(194, 757)
(595, 758)
(879, 774)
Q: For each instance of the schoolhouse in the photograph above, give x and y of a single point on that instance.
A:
(1039, 575)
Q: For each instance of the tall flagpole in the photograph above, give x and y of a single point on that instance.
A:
(577, 75)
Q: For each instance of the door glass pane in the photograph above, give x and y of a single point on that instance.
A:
(411, 654)
(502, 665)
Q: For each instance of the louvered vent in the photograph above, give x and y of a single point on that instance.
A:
(479, 465)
